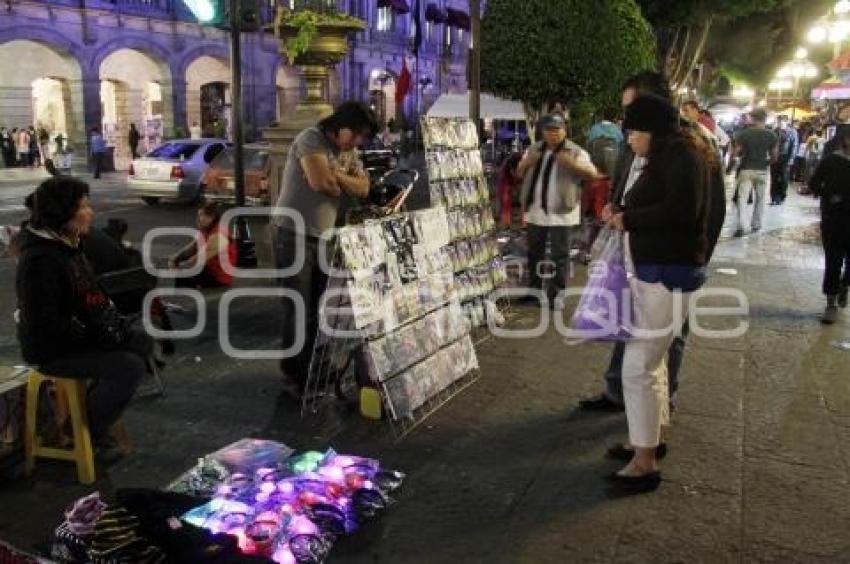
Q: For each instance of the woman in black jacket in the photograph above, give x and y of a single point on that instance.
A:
(667, 221)
(67, 326)
(831, 182)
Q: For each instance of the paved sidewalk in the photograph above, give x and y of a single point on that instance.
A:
(510, 471)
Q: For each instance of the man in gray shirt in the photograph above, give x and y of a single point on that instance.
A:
(313, 181)
(757, 148)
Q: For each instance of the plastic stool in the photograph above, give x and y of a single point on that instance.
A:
(82, 453)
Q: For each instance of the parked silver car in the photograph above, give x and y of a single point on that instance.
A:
(173, 170)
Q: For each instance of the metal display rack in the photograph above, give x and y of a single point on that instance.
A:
(391, 320)
(456, 179)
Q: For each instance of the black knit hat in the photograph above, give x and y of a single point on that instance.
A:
(652, 114)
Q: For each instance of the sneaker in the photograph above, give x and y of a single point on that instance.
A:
(830, 315)
(757, 229)
(842, 298)
(738, 233)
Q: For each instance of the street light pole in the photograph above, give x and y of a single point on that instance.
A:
(246, 254)
(475, 63)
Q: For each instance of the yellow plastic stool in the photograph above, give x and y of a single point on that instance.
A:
(82, 454)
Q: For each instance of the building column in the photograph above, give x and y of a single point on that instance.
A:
(85, 113)
(174, 106)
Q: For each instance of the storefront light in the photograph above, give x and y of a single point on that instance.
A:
(817, 34)
(801, 53)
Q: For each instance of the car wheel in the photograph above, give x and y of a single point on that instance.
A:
(150, 200)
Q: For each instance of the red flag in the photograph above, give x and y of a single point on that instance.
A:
(402, 89)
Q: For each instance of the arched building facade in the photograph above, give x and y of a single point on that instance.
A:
(73, 65)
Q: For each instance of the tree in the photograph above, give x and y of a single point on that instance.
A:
(574, 51)
(682, 29)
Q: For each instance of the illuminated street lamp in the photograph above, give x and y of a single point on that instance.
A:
(817, 34)
(842, 7)
(801, 53)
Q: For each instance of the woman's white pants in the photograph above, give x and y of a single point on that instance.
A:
(658, 317)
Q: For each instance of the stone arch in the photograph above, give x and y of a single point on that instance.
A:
(135, 87)
(215, 51)
(207, 93)
(42, 84)
(46, 36)
(160, 54)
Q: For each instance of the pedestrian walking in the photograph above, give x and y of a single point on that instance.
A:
(831, 182)
(43, 144)
(313, 181)
(33, 158)
(666, 219)
(22, 145)
(7, 147)
(627, 171)
(98, 151)
(757, 148)
(133, 138)
(552, 171)
(781, 167)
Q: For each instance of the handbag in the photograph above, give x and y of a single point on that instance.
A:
(604, 312)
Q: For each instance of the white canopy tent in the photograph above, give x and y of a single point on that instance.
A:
(457, 105)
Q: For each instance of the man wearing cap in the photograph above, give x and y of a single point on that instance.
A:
(551, 171)
(757, 148)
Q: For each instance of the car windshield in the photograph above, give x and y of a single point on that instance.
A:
(255, 159)
(175, 151)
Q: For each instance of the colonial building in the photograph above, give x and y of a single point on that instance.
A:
(71, 65)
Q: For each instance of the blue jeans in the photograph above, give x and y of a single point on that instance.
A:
(675, 355)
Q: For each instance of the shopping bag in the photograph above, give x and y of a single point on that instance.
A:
(604, 311)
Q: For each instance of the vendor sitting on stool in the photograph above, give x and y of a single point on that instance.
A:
(212, 239)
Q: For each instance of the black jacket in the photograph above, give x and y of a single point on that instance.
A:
(61, 306)
(831, 182)
(717, 188)
(668, 210)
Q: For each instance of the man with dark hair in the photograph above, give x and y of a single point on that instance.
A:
(313, 180)
(552, 171)
(757, 147)
(628, 170)
(780, 170)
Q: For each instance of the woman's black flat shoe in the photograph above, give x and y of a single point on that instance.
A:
(630, 485)
(620, 452)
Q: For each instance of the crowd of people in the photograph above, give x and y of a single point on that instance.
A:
(657, 179)
(25, 147)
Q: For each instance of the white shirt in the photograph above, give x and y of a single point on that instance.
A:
(537, 216)
(638, 164)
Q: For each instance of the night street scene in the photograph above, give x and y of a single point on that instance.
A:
(424, 281)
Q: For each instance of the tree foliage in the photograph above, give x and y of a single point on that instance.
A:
(574, 51)
(683, 28)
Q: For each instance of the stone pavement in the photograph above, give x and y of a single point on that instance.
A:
(510, 471)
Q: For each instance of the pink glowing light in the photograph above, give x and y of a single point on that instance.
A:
(283, 555)
(333, 473)
(301, 525)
